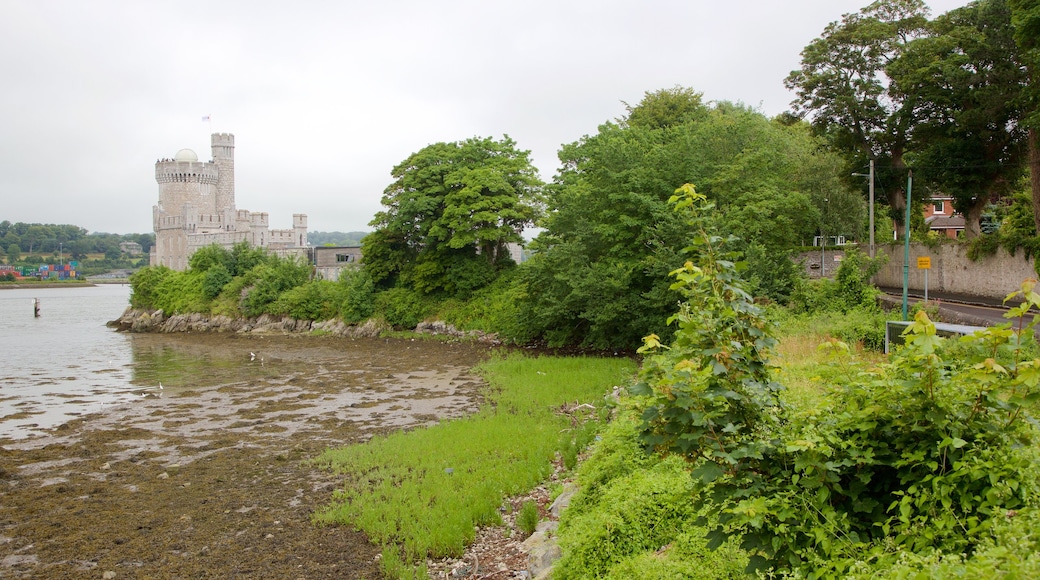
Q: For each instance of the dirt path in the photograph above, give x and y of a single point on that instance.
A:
(211, 479)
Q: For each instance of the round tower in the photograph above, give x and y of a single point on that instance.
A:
(224, 158)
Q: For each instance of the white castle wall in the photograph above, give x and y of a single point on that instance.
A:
(196, 208)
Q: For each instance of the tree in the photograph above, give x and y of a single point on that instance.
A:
(843, 88)
(664, 108)
(965, 81)
(599, 274)
(449, 214)
(1025, 21)
(14, 253)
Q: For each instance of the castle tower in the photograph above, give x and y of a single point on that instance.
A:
(299, 229)
(224, 158)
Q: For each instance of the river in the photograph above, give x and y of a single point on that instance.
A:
(64, 363)
(103, 473)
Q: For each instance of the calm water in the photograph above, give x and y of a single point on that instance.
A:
(65, 363)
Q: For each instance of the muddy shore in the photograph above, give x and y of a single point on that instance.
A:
(210, 478)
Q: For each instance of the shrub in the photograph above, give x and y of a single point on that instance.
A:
(215, 278)
(358, 292)
(315, 300)
(401, 307)
(527, 518)
(924, 453)
(273, 277)
(144, 285)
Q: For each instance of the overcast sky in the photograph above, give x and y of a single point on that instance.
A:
(325, 97)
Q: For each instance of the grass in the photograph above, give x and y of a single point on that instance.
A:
(421, 493)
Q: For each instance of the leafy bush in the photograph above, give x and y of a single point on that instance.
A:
(358, 291)
(273, 277)
(181, 292)
(315, 300)
(216, 278)
(401, 307)
(926, 452)
(144, 285)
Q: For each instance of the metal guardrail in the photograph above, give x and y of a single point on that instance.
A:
(894, 331)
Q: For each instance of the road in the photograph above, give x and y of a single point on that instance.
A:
(957, 309)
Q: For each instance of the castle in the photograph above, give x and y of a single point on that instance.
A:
(197, 209)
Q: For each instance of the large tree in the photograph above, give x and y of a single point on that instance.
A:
(1025, 21)
(965, 82)
(599, 276)
(842, 88)
(450, 212)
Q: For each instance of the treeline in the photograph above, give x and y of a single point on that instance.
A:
(335, 238)
(37, 241)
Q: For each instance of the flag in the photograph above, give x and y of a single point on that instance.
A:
(205, 119)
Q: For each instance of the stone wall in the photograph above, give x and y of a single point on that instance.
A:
(952, 271)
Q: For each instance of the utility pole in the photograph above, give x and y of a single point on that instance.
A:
(906, 243)
(823, 242)
(871, 206)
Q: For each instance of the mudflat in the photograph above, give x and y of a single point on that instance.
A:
(210, 476)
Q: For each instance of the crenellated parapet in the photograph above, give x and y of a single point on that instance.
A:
(196, 208)
(172, 171)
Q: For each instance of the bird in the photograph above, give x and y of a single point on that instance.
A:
(252, 356)
(160, 385)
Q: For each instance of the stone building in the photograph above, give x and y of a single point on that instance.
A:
(197, 208)
(329, 261)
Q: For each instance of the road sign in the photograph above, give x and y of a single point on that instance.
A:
(924, 263)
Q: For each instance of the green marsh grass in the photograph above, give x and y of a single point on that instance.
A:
(421, 493)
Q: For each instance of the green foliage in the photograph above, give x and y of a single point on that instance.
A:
(449, 214)
(216, 277)
(632, 516)
(771, 273)
(665, 108)
(967, 75)
(358, 291)
(710, 394)
(924, 452)
(599, 274)
(272, 277)
(180, 293)
(639, 512)
(145, 284)
(420, 493)
(314, 300)
(401, 307)
(491, 309)
(527, 519)
(210, 257)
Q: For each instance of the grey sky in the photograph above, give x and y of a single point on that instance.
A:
(324, 98)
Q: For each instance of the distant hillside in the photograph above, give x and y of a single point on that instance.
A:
(335, 238)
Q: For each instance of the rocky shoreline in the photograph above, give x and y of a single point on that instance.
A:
(144, 321)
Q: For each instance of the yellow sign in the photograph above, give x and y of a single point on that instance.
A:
(924, 263)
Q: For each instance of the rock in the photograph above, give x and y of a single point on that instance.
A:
(542, 553)
(563, 500)
(108, 575)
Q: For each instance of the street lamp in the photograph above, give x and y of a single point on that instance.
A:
(871, 176)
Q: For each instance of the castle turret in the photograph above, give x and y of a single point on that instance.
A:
(224, 158)
(299, 229)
